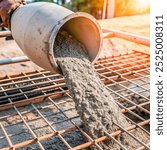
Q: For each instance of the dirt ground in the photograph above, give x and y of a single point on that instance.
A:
(134, 24)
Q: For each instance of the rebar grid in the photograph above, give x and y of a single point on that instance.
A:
(38, 112)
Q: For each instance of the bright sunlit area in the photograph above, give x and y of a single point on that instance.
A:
(105, 9)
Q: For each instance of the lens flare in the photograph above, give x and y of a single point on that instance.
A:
(144, 3)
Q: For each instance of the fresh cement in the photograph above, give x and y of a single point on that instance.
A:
(93, 101)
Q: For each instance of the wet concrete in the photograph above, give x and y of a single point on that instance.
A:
(93, 101)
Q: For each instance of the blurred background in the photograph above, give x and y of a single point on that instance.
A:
(131, 16)
(105, 9)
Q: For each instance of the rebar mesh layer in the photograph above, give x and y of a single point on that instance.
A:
(37, 111)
